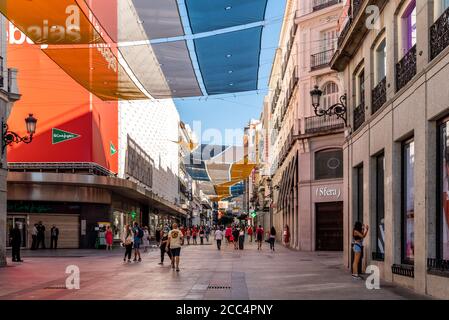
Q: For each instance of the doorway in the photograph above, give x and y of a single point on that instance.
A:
(21, 221)
(329, 226)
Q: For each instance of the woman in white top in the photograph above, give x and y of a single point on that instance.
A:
(145, 239)
(127, 239)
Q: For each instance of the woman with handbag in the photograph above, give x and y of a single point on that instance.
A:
(127, 241)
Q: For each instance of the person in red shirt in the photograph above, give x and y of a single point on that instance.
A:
(228, 234)
(194, 233)
(183, 231)
(250, 233)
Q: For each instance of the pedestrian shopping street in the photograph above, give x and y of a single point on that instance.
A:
(246, 274)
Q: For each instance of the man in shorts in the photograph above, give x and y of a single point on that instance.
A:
(138, 234)
(174, 243)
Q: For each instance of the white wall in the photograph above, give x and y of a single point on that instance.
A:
(154, 125)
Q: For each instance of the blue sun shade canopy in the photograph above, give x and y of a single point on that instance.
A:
(209, 15)
(229, 62)
(198, 171)
(238, 189)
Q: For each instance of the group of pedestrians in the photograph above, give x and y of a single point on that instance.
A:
(195, 232)
(135, 237)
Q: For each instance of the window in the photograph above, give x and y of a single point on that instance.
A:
(329, 164)
(380, 206)
(361, 88)
(380, 62)
(330, 94)
(359, 195)
(443, 214)
(408, 199)
(328, 40)
(408, 26)
(439, 7)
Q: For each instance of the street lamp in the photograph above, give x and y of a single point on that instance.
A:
(10, 137)
(339, 109)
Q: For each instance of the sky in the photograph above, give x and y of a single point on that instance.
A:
(229, 114)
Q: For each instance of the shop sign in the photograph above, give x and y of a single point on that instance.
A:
(328, 192)
(112, 148)
(58, 136)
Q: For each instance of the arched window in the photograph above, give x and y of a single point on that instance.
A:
(329, 164)
(330, 94)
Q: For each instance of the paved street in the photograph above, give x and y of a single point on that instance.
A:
(205, 274)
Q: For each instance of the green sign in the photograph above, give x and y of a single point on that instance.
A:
(112, 148)
(253, 214)
(58, 136)
(133, 215)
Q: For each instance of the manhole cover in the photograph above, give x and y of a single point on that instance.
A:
(219, 286)
(56, 287)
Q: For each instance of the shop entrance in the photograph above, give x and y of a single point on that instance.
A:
(329, 226)
(21, 221)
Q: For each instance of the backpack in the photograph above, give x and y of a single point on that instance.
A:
(140, 233)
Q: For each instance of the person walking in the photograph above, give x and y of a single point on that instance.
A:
(272, 237)
(207, 233)
(174, 243)
(109, 238)
(241, 238)
(194, 234)
(201, 234)
(16, 243)
(183, 231)
(359, 233)
(146, 239)
(228, 234)
(40, 235)
(158, 235)
(34, 237)
(235, 235)
(287, 235)
(218, 237)
(259, 237)
(250, 233)
(188, 234)
(164, 248)
(138, 235)
(127, 240)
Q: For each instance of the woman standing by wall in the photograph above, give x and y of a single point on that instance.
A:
(108, 236)
(127, 240)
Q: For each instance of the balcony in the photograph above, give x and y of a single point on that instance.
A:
(359, 116)
(323, 124)
(289, 141)
(322, 4)
(321, 60)
(379, 95)
(406, 69)
(439, 35)
(438, 267)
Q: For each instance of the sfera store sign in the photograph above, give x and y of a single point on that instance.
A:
(327, 192)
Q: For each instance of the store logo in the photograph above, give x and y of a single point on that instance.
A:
(58, 136)
(328, 192)
(112, 148)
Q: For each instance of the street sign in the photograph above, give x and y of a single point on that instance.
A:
(112, 148)
(253, 214)
(58, 136)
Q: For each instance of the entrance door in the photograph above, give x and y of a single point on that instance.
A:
(21, 222)
(329, 226)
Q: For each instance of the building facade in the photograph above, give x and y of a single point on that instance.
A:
(9, 94)
(395, 61)
(306, 150)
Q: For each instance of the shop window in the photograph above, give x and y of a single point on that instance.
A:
(442, 220)
(408, 199)
(329, 164)
(359, 193)
(380, 207)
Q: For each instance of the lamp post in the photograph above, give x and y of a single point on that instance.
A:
(10, 137)
(339, 109)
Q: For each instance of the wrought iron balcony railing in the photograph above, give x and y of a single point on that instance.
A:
(321, 4)
(321, 59)
(403, 270)
(359, 116)
(323, 124)
(379, 95)
(438, 266)
(439, 35)
(353, 11)
(406, 69)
